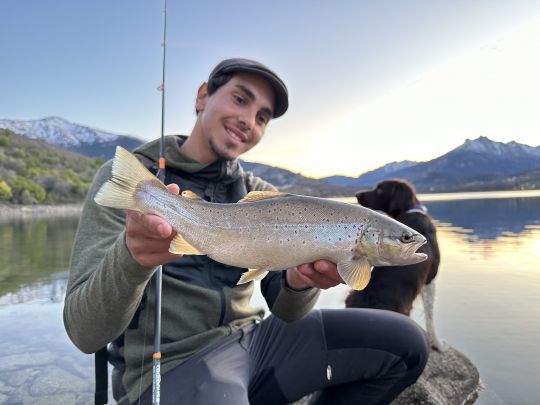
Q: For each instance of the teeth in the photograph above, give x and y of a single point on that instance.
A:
(233, 136)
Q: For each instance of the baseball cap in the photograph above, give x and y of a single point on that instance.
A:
(250, 66)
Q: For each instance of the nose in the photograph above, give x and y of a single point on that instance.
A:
(246, 119)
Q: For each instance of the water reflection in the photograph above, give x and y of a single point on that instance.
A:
(488, 219)
(487, 300)
(50, 290)
(35, 255)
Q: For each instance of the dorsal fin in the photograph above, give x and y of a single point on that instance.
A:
(190, 195)
(261, 195)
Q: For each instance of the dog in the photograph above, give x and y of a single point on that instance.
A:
(395, 288)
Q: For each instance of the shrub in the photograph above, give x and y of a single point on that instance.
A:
(5, 191)
(25, 191)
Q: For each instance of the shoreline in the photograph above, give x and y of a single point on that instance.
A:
(9, 212)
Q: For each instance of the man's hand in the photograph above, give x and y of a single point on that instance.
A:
(148, 237)
(320, 274)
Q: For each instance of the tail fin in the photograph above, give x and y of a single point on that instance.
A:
(127, 175)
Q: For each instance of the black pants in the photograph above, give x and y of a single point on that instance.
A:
(356, 356)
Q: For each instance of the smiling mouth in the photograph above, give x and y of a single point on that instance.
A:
(235, 136)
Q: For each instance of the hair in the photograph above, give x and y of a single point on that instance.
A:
(215, 83)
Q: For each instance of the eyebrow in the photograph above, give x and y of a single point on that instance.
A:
(250, 94)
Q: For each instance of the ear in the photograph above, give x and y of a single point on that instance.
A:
(402, 199)
(202, 96)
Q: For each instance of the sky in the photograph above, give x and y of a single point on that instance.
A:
(370, 82)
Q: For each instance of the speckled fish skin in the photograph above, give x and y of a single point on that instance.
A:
(266, 230)
(284, 231)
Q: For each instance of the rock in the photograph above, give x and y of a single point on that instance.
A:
(20, 377)
(65, 398)
(56, 381)
(449, 378)
(18, 361)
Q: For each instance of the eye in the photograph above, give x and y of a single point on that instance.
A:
(238, 99)
(406, 238)
(262, 119)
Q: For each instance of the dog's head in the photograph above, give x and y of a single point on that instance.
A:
(391, 196)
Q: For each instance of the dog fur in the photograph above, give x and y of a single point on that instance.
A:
(395, 288)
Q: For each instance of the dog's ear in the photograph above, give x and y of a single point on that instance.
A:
(403, 198)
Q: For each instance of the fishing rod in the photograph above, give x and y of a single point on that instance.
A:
(156, 356)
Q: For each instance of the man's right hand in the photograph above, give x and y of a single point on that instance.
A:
(148, 237)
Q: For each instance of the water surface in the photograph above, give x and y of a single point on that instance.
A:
(487, 305)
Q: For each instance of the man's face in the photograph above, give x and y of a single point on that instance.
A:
(234, 118)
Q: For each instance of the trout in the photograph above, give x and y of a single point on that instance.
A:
(266, 231)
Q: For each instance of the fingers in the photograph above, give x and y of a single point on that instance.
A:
(321, 274)
(149, 225)
(148, 236)
(173, 188)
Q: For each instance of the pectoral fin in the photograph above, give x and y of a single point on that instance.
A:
(355, 272)
(251, 275)
(180, 246)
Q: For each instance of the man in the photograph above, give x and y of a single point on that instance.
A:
(216, 348)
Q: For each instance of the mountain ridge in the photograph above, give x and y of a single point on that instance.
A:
(477, 164)
(71, 136)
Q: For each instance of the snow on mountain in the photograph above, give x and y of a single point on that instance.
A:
(58, 131)
(486, 146)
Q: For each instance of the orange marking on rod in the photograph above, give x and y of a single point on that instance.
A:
(162, 163)
(156, 355)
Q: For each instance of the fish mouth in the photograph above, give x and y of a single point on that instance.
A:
(411, 254)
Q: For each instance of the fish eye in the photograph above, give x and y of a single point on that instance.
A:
(406, 238)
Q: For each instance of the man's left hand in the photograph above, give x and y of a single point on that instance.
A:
(320, 274)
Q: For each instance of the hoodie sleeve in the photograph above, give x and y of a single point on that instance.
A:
(105, 283)
(284, 302)
(254, 183)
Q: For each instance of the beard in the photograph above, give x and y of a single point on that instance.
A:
(224, 152)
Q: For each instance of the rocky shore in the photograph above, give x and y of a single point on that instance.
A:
(449, 378)
(14, 212)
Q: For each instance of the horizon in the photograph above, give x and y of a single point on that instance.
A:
(279, 167)
(412, 81)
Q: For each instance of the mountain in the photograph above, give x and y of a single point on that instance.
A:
(479, 164)
(290, 182)
(473, 165)
(74, 137)
(371, 177)
(33, 171)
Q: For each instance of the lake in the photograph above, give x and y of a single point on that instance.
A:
(487, 305)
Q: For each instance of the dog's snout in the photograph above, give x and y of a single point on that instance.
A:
(360, 197)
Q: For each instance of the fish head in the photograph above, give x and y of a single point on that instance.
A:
(387, 242)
